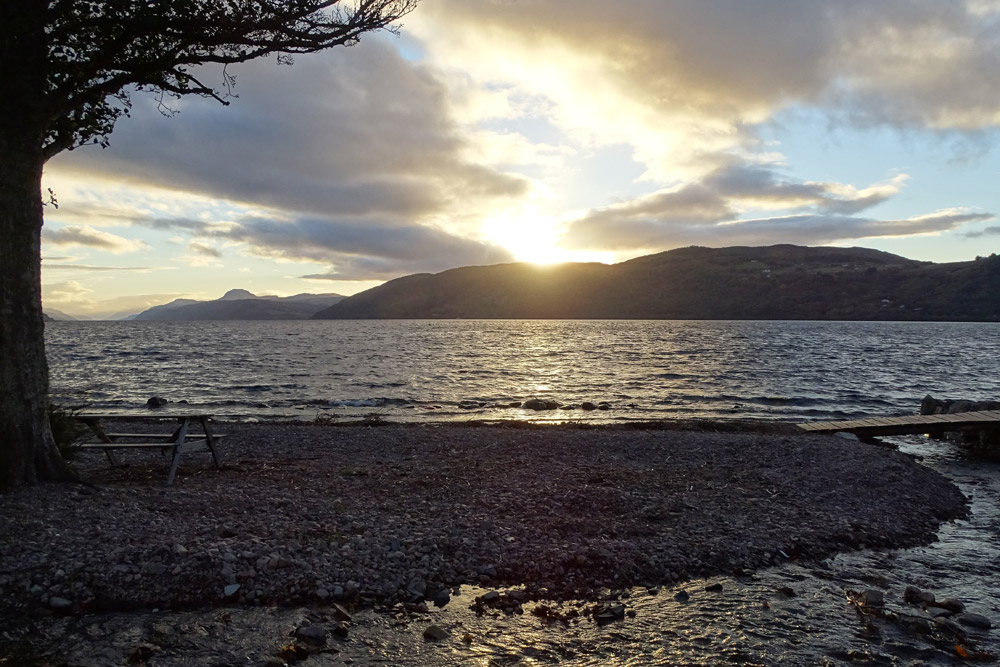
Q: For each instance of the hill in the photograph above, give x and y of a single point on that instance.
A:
(57, 315)
(240, 304)
(775, 282)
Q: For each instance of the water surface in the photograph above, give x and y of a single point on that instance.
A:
(444, 369)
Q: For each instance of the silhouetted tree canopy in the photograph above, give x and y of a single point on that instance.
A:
(99, 52)
(68, 69)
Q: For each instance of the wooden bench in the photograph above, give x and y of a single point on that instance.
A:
(179, 442)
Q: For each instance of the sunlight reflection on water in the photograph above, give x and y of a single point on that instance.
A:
(418, 370)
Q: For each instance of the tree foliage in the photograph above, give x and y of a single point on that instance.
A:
(68, 69)
(99, 52)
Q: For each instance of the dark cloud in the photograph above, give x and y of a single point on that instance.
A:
(710, 208)
(176, 224)
(353, 150)
(82, 235)
(203, 250)
(760, 184)
(989, 231)
(364, 252)
(353, 132)
(806, 229)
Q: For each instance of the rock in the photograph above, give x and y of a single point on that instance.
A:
(535, 404)
(60, 604)
(417, 588)
(225, 531)
(915, 624)
(951, 604)
(914, 595)
(587, 405)
(231, 590)
(607, 613)
(490, 597)
(322, 593)
(155, 569)
(929, 405)
(435, 633)
(314, 634)
(339, 630)
(341, 614)
(977, 621)
(682, 596)
(442, 597)
(603, 405)
(939, 612)
(787, 591)
(872, 598)
(959, 406)
(713, 588)
(156, 402)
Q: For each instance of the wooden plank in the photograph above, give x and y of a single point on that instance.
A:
(909, 424)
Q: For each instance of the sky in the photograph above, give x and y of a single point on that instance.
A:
(492, 131)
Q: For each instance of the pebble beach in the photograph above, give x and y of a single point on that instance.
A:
(369, 516)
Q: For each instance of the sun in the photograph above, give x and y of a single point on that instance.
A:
(530, 238)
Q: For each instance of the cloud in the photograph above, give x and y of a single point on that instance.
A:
(362, 252)
(83, 235)
(638, 232)
(67, 291)
(988, 231)
(711, 208)
(352, 157)
(355, 132)
(203, 250)
(47, 266)
(686, 82)
(378, 164)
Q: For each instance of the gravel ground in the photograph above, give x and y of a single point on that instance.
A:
(305, 514)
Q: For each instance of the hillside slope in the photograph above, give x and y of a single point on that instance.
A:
(775, 282)
(241, 305)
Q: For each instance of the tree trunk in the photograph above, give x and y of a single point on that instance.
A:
(28, 453)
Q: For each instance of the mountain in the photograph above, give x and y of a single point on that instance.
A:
(239, 295)
(775, 282)
(239, 304)
(58, 315)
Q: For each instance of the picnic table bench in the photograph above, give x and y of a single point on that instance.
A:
(182, 440)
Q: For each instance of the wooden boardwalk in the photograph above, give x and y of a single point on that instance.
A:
(986, 420)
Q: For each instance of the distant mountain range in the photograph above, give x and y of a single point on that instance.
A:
(239, 304)
(57, 315)
(768, 283)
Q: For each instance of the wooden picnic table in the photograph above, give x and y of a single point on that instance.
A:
(182, 440)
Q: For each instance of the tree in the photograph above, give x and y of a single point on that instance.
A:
(67, 71)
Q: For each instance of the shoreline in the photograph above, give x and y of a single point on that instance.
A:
(311, 514)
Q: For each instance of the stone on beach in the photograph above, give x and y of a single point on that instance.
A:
(580, 510)
(435, 633)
